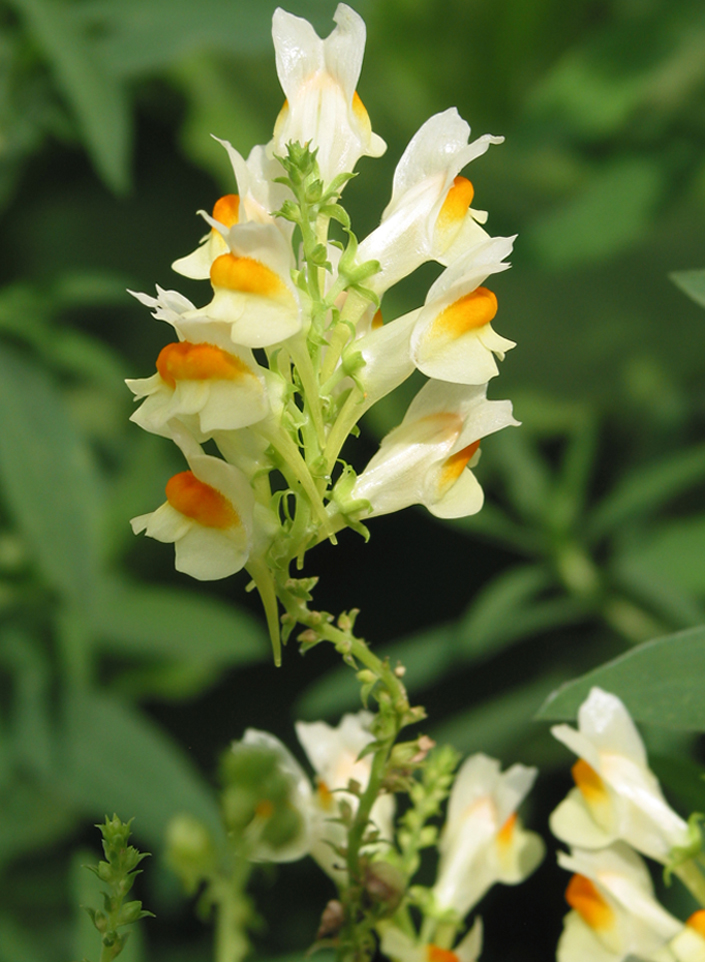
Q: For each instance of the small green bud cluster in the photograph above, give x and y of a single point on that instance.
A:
(118, 871)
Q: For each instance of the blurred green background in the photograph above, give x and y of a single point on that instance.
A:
(121, 681)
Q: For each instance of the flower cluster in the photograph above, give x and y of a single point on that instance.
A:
(482, 842)
(292, 349)
(615, 812)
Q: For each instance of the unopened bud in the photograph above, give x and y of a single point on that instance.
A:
(190, 850)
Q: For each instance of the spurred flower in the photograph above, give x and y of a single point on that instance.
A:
(211, 386)
(334, 755)
(423, 461)
(617, 795)
(614, 912)
(429, 216)
(689, 944)
(253, 294)
(401, 948)
(319, 79)
(482, 841)
(453, 338)
(207, 515)
(258, 195)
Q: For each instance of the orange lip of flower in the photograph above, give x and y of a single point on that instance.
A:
(226, 210)
(583, 896)
(589, 782)
(697, 922)
(184, 361)
(200, 501)
(506, 832)
(468, 313)
(453, 468)
(436, 954)
(248, 276)
(456, 204)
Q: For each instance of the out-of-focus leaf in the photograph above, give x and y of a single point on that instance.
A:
(117, 760)
(511, 608)
(498, 726)
(216, 105)
(614, 210)
(93, 91)
(17, 944)
(650, 59)
(31, 727)
(660, 682)
(171, 623)
(166, 680)
(48, 477)
(86, 892)
(692, 283)
(495, 526)
(647, 488)
(32, 816)
(656, 589)
(675, 551)
(682, 778)
(525, 474)
(141, 36)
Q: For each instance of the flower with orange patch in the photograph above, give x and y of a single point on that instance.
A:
(319, 78)
(453, 338)
(207, 516)
(482, 841)
(617, 796)
(423, 460)
(428, 216)
(334, 754)
(208, 386)
(614, 911)
(689, 944)
(253, 295)
(400, 947)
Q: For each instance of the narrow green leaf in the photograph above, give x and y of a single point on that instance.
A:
(496, 727)
(31, 727)
(647, 488)
(660, 682)
(93, 91)
(154, 622)
(692, 283)
(116, 759)
(48, 477)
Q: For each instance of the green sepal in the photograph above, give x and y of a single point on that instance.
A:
(680, 854)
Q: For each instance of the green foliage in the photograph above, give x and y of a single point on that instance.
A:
(659, 682)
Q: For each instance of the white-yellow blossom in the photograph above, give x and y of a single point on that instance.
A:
(429, 216)
(617, 794)
(482, 841)
(334, 754)
(424, 460)
(319, 78)
(614, 911)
